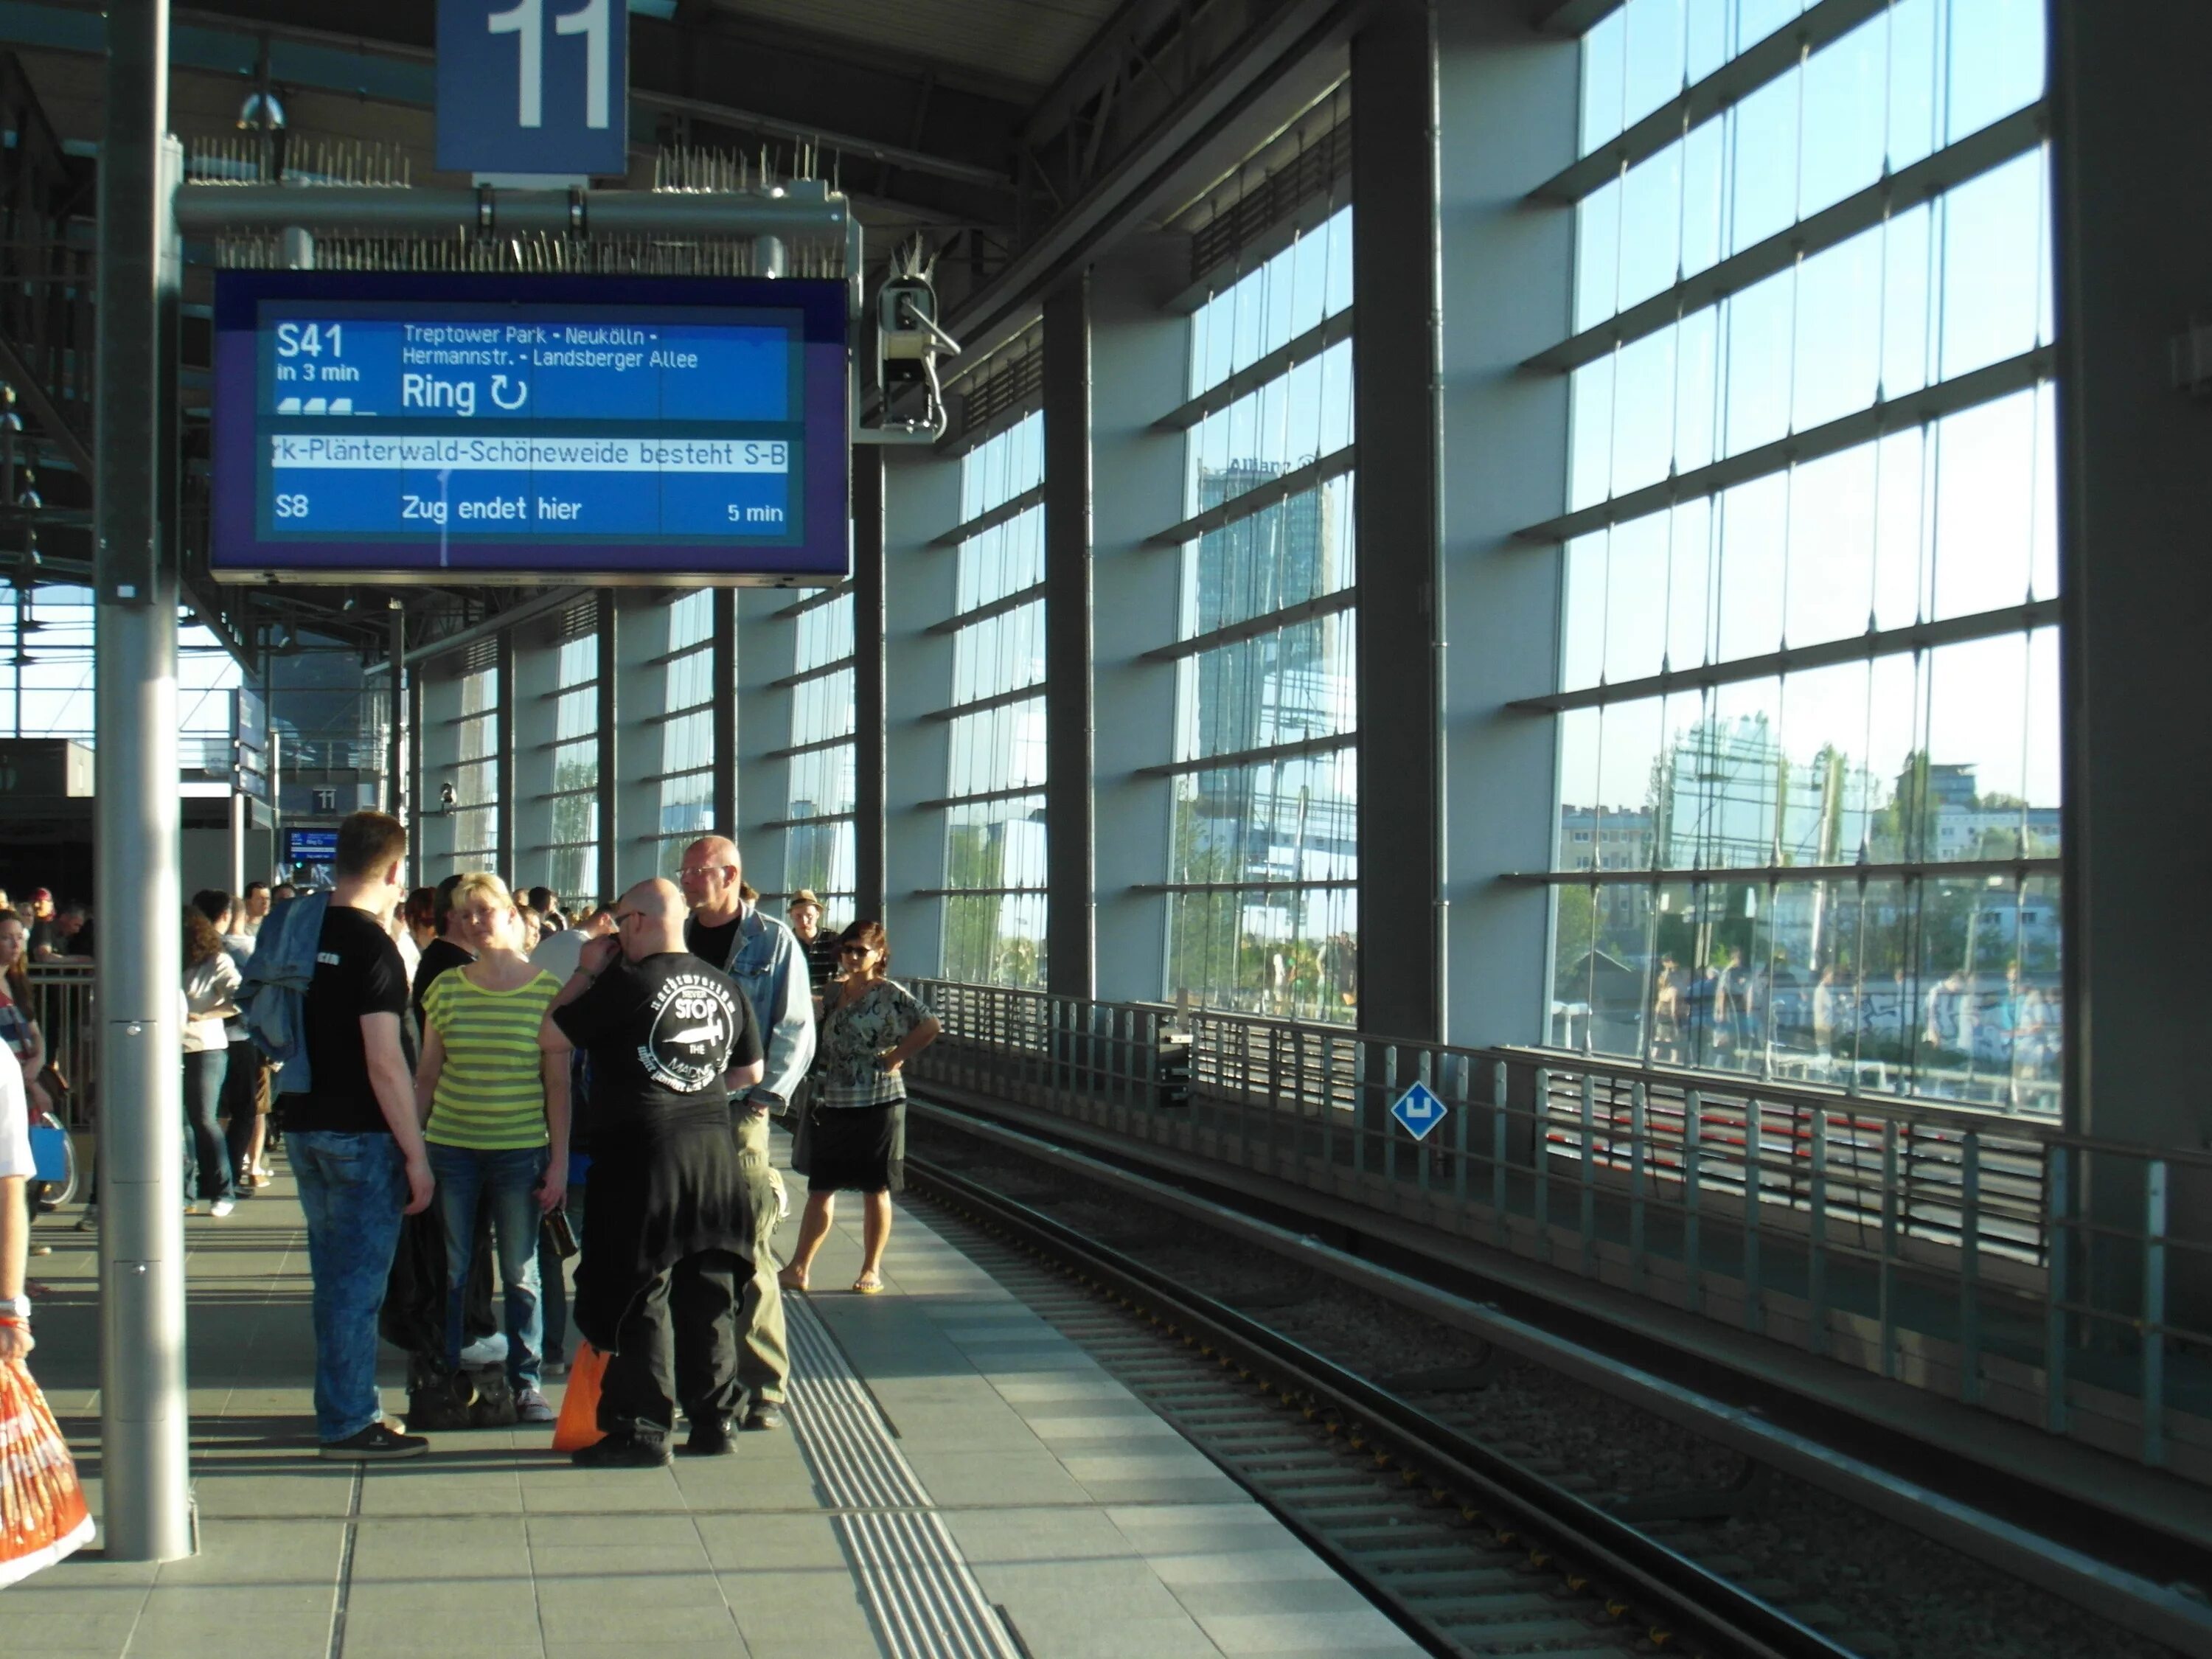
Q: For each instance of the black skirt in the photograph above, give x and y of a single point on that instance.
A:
(855, 1148)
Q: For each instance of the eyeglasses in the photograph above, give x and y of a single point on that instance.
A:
(853, 950)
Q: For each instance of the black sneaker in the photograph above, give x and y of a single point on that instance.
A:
(765, 1414)
(377, 1443)
(710, 1438)
(623, 1451)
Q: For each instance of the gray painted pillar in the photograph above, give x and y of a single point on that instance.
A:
(1140, 369)
(1071, 831)
(768, 650)
(869, 704)
(723, 677)
(641, 634)
(1507, 119)
(395, 764)
(922, 500)
(535, 698)
(145, 1501)
(437, 827)
(608, 750)
(416, 805)
(505, 853)
(1397, 510)
(2131, 146)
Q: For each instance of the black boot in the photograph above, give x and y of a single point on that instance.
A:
(710, 1438)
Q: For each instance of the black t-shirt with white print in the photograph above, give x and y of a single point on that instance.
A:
(661, 1033)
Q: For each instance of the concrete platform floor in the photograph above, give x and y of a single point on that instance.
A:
(961, 1481)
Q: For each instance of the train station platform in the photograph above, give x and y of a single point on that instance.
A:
(960, 1480)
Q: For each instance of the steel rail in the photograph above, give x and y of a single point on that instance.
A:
(1675, 1593)
(2001, 1517)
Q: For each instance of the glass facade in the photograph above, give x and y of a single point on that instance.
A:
(818, 802)
(1809, 738)
(569, 814)
(1263, 843)
(685, 777)
(994, 830)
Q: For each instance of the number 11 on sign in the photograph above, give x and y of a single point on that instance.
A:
(526, 19)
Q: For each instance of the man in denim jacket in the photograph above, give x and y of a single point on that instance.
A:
(728, 931)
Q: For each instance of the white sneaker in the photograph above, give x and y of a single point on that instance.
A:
(222, 1207)
(486, 1351)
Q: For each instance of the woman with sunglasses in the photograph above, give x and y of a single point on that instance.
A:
(871, 1027)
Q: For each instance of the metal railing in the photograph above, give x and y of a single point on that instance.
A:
(61, 1002)
(1993, 1259)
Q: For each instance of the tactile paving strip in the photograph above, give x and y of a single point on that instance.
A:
(925, 1601)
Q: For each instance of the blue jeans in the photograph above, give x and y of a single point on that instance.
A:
(206, 1154)
(353, 1188)
(507, 1182)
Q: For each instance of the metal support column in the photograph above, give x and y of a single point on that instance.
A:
(1071, 832)
(146, 1502)
(502, 756)
(395, 769)
(722, 667)
(1399, 507)
(2130, 278)
(605, 733)
(870, 709)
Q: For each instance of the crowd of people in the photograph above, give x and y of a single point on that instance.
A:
(467, 1066)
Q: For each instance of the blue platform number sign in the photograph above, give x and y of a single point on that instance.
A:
(533, 86)
(1418, 1111)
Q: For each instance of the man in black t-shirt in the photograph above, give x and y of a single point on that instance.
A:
(356, 1144)
(671, 1242)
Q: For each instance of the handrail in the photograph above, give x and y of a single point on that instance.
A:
(1997, 1259)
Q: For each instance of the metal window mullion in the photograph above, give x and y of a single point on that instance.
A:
(1243, 757)
(1878, 420)
(998, 607)
(1862, 647)
(1766, 60)
(985, 705)
(803, 824)
(1981, 152)
(1252, 628)
(1005, 512)
(1254, 501)
(1271, 885)
(1645, 876)
(813, 601)
(805, 674)
(1276, 364)
(812, 746)
(982, 798)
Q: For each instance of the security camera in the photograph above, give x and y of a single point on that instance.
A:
(446, 797)
(908, 341)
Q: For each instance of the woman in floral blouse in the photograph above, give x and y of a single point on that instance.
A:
(871, 1027)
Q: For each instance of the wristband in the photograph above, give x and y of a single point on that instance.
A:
(20, 1306)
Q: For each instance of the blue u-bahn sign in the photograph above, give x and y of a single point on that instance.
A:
(533, 86)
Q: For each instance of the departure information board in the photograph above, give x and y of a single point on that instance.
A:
(434, 425)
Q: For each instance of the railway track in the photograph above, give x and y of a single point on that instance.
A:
(1471, 1550)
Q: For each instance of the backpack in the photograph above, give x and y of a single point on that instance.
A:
(273, 999)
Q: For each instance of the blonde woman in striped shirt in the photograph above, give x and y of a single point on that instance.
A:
(481, 1091)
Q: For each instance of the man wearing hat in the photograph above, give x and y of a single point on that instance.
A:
(819, 944)
(44, 943)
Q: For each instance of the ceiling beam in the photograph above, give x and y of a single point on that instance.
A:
(1573, 17)
(401, 72)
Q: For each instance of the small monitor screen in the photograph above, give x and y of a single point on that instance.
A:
(310, 847)
(487, 427)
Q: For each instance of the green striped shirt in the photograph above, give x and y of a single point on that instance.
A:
(490, 1095)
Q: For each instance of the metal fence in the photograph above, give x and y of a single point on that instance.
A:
(1994, 1259)
(61, 1002)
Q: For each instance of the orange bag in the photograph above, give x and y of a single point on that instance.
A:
(42, 1512)
(579, 1424)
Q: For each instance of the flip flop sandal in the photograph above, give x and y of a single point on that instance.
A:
(866, 1285)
